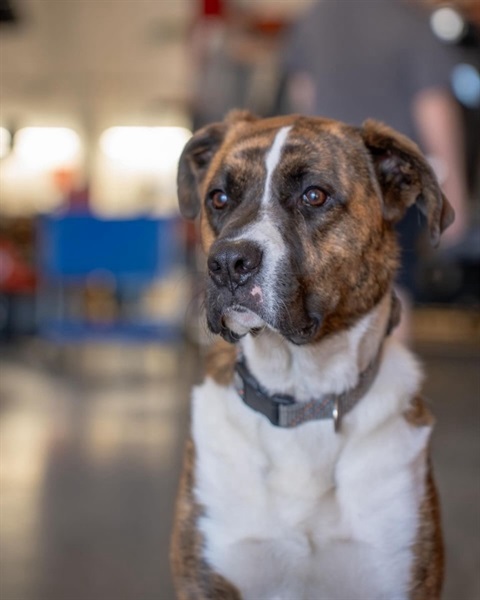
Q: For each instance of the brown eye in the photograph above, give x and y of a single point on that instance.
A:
(219, 199)
(314, 196)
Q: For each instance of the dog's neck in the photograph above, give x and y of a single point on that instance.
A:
(332, 365)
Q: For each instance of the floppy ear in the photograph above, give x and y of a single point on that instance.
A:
(193, 165)
(197, 156)
(405, 178)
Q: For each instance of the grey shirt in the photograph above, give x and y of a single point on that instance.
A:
(368, 58)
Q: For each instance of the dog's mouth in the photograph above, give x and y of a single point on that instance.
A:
(237, 321)
(234, 315)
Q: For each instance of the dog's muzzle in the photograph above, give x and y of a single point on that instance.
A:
(237, 295)
(233, 303)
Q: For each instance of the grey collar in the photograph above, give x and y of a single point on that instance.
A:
(284, 411)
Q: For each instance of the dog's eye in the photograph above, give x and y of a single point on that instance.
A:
(314, 196)
(219, 199)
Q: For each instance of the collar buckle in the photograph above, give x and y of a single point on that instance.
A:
(255, 397)
(279, 400)
(270, 407)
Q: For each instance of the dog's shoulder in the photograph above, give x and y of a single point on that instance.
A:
(428, 566)
(194, 577)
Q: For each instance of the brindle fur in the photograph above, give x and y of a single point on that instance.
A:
(194, 579)
(427, 572)
(338, 148)
(360, 165)
(220, 362)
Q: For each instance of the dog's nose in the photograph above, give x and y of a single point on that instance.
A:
(231, 264)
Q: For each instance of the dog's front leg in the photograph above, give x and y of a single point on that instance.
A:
(194, 579)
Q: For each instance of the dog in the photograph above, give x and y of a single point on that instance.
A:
(307, 473)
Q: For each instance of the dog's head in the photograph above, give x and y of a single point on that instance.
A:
(297, 219)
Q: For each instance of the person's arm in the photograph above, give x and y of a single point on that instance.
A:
(438, 121)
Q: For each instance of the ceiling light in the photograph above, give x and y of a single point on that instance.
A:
(145, 148)
(47, 147)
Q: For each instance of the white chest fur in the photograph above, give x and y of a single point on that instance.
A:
(307, 514)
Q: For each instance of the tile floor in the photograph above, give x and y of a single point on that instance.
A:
(90, 459)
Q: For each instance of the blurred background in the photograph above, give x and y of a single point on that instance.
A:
(100, 292)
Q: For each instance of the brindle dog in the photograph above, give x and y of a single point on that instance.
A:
(297, 219)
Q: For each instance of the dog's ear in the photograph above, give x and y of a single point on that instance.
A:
(405, 178)
(193, 165)
(197, 156)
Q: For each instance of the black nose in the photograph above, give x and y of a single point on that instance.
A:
(231, 264)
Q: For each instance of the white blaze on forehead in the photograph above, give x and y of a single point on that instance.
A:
(272, 159)
(265, 232)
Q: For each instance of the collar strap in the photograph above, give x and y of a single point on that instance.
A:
(283, 411)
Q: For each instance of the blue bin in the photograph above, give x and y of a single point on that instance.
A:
(74, 247)
(132, 253)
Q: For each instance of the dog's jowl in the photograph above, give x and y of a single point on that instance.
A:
(306, 474)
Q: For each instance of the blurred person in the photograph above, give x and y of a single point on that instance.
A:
(233, 50)
(379, 59)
